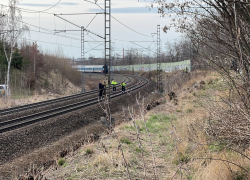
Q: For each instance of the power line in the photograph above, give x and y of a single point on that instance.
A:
(79, 27)
(34, 11)
(94, 3)
(78, 14)
(43, 28)
(143, 47)
(91, 49)
(50, 43)
(119, 21)
(51, 7)
(91, 22)
(129, 27)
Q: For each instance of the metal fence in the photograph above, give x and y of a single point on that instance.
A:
(167, 67)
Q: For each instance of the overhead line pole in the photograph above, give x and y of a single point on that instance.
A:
(107, 47)
(82, 57)
(82, 47)
(159, 76)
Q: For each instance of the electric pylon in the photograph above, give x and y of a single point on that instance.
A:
(108, 39)
(159, 75)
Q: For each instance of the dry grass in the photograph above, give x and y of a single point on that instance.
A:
(183, 143)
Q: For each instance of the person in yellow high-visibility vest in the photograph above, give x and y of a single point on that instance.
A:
(114, 83)
(123, 87)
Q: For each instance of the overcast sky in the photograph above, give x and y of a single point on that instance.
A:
(131, 13)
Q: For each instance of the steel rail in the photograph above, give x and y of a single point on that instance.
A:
(33, 118)
(49, 102)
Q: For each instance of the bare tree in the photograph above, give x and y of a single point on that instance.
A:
(13, 28)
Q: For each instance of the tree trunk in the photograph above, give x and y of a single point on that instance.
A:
(8, 79)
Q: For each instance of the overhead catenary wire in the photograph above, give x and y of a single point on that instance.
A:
(87, 26)
(91, 21)
(34, 11)
(79, 26)
(120, 21)
(52, 6)
(52, 33)
(143, 47)
(49, 42)
(91, 49)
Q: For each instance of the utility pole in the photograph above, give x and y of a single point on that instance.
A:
(82, 44)
(107, 48)
(159, 75)
(82, 58)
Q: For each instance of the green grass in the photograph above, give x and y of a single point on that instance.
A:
(129, 127)
(61, 162)
(240, 176)
(46, 83)
(189, 110)
(183, 158)
(138, 150)
(64, 165)
(125, 140)
(154, 124)
(24, 93)
(73, 177)
(89, 151)
(214, 148)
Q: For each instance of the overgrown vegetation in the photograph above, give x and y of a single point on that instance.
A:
(61, 162)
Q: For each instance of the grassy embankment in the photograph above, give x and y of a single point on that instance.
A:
(171, 136)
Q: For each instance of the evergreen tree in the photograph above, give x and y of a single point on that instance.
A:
(17, 60)
(3, 60)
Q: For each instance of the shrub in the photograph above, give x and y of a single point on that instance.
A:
(46, 83)
(89, 151)
(138, 150)
(125, 140)
(61, 162)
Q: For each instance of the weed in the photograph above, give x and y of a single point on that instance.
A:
(214, 148)
(189, 110)
(129, 127)
(163, 143)
(61, 162)
(89, 151)
(138, 150)
(240, 176)
(175, 161)
(125, 140)
(154, 124)
(189, 177)
(46, 83)
(64, 165)
(183, 157)
(73, 177)
(178, 110)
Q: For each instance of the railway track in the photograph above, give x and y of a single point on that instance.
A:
(8, 111)
(33, 118)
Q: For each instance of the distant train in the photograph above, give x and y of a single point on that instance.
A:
(92, 69)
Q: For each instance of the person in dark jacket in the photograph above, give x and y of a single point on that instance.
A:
(100, 89)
